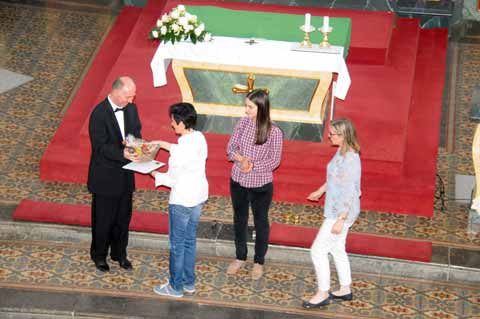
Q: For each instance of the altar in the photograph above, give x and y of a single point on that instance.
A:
(212, 76)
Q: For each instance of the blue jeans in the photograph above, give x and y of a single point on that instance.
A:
(182, 237)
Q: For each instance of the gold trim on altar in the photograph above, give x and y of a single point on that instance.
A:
(314, 115)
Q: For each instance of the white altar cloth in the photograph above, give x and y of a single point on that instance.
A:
(264, 54)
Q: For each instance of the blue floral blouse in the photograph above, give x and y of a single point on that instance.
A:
(343, 186)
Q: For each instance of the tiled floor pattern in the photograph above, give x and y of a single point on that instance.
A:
(65, 267)
(54, 46)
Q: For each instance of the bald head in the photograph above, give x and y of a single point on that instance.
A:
(123, 91)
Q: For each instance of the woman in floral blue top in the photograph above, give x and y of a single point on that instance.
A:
(342, 207)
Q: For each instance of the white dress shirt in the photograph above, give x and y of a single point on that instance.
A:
(186, 171)
(119, 116)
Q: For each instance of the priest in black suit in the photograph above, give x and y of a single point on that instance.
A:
(111, 185)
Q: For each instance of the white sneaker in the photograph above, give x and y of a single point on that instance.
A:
(189, 289)
(167, 290)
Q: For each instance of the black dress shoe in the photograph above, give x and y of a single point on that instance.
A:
(125, 264)
(346, 297)
(102, 266)
(309, 305)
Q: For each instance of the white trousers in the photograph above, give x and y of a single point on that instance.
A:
(325, 243)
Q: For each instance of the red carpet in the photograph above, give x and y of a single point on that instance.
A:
(357, 243)
(298, 236)
(45, 212)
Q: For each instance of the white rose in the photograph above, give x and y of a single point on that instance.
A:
(188, 28)
(159, 23)
(181, 8)
(163, 30)
(198, 32)
(175, 15)
(155, 34)
(201, 27)
(183, 21)
(165, 17)
(208, 37)
(175, 27)
(193, 18)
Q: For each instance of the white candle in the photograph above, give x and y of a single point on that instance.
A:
(307, 20)
(325, 23)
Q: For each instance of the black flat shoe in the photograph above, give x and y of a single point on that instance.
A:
(126, 264)
(102, 266)
(309, 305)
(346, 297)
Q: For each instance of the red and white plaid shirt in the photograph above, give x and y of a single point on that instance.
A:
(265, 157)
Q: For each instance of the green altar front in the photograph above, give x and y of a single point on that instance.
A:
(299, 99)
(271, 26)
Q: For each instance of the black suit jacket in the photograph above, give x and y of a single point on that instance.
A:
(105, 174)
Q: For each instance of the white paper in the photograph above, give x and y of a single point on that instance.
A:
(144, 167)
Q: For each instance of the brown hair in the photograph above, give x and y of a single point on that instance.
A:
(264, 124)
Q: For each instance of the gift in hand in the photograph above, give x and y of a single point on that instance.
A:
(146, 151)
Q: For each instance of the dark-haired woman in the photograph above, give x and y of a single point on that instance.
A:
(255, 148)
(342, 207)
(189, 190)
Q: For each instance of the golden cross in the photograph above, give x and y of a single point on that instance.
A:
(240, 88)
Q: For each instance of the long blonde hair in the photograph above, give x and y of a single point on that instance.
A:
(345, 128)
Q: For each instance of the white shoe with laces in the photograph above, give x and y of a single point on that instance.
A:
(167, 290)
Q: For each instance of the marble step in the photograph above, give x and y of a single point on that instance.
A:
(216, 239)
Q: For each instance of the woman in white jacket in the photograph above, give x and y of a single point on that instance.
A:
(189, 190)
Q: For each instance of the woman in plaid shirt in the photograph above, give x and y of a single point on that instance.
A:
(255, 148)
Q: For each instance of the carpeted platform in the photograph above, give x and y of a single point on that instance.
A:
(394, 102)
(379, 102)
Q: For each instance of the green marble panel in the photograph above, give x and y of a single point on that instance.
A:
(291, 130)
(216, 87)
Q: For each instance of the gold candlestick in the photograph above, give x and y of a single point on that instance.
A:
(325, 31)
(306, 36)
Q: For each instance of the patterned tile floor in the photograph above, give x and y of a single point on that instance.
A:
(54, 46)
(65, 267)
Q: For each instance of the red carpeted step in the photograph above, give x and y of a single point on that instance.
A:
(357, 243)
(45, 212)
(153, 222)
(426, 105)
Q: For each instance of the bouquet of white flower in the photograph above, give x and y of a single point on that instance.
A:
(179, 25)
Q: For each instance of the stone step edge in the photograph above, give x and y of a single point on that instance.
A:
(381, 266)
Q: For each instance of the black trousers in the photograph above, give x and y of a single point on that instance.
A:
(110, 221)
(260, 199)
